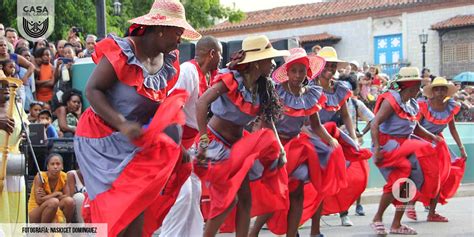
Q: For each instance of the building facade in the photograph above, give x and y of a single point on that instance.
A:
(384, 33)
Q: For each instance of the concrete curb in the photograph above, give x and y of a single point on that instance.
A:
(372, 195)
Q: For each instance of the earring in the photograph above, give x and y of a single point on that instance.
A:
(161, 34)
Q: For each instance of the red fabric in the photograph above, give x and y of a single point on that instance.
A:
(86, 209)
(189, 136)
(92, 126)
(450, 174)
(427, 115)
(131, 75)
(341, 103)
(393, 103)
(408, 84)
(158, 210)
(398, 161)
(299, 150)
(234, 94)
(376, 81)
(140, 183)
(357, 174)
(305, 112)
(203, 84)
(334, 179)
(224, 178)
(357, 178)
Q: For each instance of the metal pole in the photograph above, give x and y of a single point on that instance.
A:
(423, 49)
(101, 23)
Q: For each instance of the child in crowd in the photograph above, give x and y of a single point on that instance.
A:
(45, 80)
(46, 118)
(35, 109)
(9, 68)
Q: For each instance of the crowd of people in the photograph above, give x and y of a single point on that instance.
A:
(193, 150)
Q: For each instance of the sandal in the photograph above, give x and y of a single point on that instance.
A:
(403, 230)
(379, 228)
(411, 213)
(436, 218)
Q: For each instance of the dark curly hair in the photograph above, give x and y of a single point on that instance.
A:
(270, 105)
(70, 93)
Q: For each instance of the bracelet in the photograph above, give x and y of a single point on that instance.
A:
(461, 147)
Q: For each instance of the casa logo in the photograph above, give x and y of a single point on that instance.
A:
(35, 18)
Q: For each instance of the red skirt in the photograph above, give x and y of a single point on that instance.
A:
(224, 178)
(399, 165)
(357, 173)
(299, 150)
(451, 172)
(138, 187)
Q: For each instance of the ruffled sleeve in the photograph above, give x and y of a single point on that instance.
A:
(304, 105)
(131, 72)
(238, 94)
(407, 111)
(437, 117)
(337, 99)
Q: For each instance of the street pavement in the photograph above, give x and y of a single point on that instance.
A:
(459, 210)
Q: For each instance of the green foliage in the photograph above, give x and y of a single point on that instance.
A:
(82, 13)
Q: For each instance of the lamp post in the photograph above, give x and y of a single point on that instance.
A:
(117, 8)
(423, 40)
(100, 12)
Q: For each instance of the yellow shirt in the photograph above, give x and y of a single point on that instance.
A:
(32, 204)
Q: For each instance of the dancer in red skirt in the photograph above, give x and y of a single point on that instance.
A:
(347, 173)
(124, 167)
(225, 154)
(402, 157)
(301, 99)
(436, 113)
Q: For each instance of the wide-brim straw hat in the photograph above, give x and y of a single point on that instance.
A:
(168, 13)
(315, 63)
(258, 48)
(330, 55)
(437, 82)
(408, 74)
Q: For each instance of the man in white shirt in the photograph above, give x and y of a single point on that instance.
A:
(185, 217)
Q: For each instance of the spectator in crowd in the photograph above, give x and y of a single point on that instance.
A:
(22, 43)
(41, 43)
(45, 79)
(46, 118)
(47, 106)
(315, 49)
(52, 48)
(68, 113)
(60, 48)
(76, 190)
(35, 108)
(27, 90)
(90, 45)
(12, 35)
(9, 68)
(2, 30)
(365, 82)
(48, 202)
(63, 74)
(78, 49)
(427, 77)
(18, 59)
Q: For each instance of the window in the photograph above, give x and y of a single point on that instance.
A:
(448, 53)
(462, 52)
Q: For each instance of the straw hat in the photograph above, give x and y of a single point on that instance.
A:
(330, 55)
(408, 74)
(437, 82)
(316, 65)
(258, 48)
(168, 13)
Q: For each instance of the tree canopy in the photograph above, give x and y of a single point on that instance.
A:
(82, 13)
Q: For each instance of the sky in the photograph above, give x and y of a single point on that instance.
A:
(254, 5)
